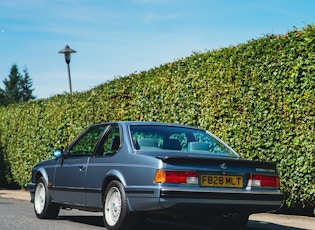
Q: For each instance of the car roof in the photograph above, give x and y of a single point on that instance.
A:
(128, 123)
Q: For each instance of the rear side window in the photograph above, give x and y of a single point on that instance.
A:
(172, 138)
(87, 142)
(110, 143)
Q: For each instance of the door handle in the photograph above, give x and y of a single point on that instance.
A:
(81, 168)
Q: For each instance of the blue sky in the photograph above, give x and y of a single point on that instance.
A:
(114, 38)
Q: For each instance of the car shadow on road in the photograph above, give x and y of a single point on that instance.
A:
(97, 221)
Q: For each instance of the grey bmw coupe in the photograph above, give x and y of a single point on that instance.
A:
(133, 170)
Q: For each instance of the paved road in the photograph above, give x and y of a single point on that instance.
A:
(16, 214)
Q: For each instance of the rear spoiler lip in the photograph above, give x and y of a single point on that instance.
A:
(217, 160)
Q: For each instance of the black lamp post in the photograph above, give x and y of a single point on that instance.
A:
(67, 51)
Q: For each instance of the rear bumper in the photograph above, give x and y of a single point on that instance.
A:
(249, 202)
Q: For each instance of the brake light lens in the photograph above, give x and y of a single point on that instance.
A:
(178, 177)
(263, 181)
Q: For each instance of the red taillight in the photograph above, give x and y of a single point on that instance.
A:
(263, 181)
(180, 177)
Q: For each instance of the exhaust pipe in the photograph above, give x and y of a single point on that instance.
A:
(232, 216)
(235, 216)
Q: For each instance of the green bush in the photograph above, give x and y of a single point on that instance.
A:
(258, 97)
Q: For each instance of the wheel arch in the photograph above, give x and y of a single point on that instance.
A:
(111, 176)
(41, 172)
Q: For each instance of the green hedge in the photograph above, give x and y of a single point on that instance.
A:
(258, 97)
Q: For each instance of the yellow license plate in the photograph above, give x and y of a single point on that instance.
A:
(221, 181)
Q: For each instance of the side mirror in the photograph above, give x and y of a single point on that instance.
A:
(57, 153)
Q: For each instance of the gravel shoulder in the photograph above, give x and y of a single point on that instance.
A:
(292, 221)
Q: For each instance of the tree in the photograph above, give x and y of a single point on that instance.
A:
(26, 87)
(12, 85)
(17, 87)
(2, 97)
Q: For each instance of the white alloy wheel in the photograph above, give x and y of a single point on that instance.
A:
(43, 207)
(40, 198)
(113, 206)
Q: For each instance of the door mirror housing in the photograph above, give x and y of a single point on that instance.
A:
(57, 153)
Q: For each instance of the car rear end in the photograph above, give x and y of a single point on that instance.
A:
(200, 188)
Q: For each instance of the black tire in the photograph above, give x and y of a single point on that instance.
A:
(116, 213)
(43, 207)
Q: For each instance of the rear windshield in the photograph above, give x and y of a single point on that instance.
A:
(173, 138)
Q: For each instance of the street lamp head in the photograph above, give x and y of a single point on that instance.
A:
(67, 51)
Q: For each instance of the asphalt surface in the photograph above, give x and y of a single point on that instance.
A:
(256, 221)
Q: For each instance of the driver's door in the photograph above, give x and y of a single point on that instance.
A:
(69, 186)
